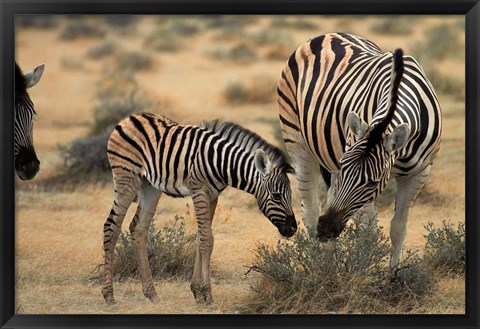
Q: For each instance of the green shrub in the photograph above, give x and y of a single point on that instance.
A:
(445, 248)
(348, 275)
(171, 252)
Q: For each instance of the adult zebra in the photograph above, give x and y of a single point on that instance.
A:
(152, 154)
(27, 164)
(357, 116)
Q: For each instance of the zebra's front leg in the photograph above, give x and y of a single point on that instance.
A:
(309, 179)
(200, 284)
(139, 227)
(125, 193)
(407, 191)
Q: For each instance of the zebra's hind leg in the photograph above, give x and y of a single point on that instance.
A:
(126, 189)
(139, 226)
(407, 191)
(200, 284)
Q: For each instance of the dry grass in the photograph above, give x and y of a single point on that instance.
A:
(59, 232)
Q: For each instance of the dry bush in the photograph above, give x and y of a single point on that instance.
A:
(292, 23)
(159, 41)
(36, 21)
(87, 156)
(241, 53)
(260, 89)
(349, 275)
(102, 50)
(394, 25)
(171, 253)
(134, 61)
(445, 248)
(81, 29)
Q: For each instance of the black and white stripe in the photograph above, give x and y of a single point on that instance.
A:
(357, 116)
(27, 164)
(152, 154)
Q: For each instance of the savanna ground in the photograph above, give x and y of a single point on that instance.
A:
(191, 69)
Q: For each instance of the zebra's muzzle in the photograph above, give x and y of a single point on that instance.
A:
(330, 226)
(287, 228)
(27, 164)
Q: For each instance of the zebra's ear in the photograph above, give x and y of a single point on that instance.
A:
(397, 138)
(262, 162)
(32, 77)
(356, 124)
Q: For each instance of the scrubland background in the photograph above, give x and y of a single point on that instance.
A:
(194, 68)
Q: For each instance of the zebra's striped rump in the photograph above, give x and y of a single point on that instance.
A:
(27, 164)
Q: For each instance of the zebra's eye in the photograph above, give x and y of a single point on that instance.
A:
(276, 196)
(372, 183)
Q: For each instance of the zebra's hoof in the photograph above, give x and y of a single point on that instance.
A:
(107, 293)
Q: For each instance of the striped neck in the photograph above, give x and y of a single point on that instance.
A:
(232, 165)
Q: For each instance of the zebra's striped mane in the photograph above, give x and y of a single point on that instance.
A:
(397, 73)
(249, 141)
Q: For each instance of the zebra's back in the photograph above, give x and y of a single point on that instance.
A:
(156, 148)
(334, 74)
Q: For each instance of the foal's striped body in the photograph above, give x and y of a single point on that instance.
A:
(152, 154)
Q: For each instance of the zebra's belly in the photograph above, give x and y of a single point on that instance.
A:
(177, 190)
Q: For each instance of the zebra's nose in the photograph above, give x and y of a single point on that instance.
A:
(32, 167)
(29, 170)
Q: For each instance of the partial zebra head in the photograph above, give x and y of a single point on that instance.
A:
(27, 164)
(366, 165)
(274, 195)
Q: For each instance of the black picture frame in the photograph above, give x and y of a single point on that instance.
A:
(9, 8)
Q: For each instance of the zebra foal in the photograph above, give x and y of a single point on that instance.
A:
(355, 116)
(27, 164)
(151, 154)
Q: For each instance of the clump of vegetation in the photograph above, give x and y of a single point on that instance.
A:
(171, 252)
(159, 41)
(121, 21)
(393, 25)
(445, 248)
(81, 29)
(260, 89)
(117, 98)
(441, 42)
(349, 275)
(448, 85)
(36, 21)
(135, 61)
(86, 155)
(102, 50)
(292, 23)
(241, 53)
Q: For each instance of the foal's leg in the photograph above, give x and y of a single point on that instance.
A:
(126, 188)
(147, 205)
(204, 211)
